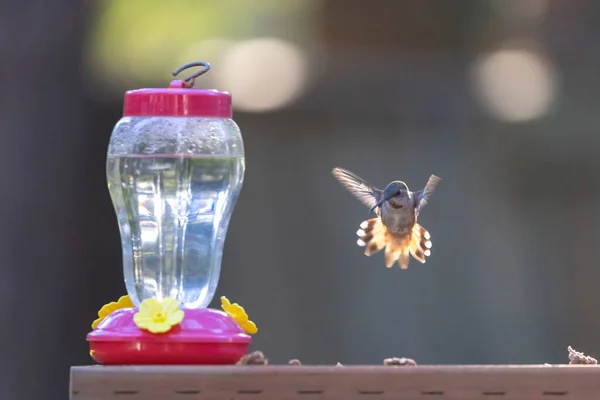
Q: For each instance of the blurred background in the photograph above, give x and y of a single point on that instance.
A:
(500, 98)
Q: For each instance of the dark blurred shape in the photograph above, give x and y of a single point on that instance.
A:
(399, 361)
(394, 26)
(56, 210)
(254, 358)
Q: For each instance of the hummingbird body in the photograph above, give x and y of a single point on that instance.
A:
(398, 214)
(395, 228)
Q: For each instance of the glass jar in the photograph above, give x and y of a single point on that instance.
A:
(175, 168)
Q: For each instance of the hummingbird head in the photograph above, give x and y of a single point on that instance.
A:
(393, 189)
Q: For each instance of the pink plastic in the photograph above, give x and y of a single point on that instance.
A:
(177, 101)
(204, 337)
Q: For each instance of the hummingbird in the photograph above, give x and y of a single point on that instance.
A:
(395, 226)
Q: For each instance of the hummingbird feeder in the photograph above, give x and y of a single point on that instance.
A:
(175, 167)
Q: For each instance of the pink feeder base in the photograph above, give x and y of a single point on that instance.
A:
(129, 353)
(204, 337)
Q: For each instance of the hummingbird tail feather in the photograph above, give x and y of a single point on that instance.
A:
(374, 236)
(397, 249)
(420, 244)
(371, 235)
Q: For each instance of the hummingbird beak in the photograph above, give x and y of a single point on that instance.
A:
(378, 204)
(386, 196)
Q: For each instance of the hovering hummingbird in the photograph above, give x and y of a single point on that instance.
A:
(395, 226)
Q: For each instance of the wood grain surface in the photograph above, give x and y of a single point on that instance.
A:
(273, 382)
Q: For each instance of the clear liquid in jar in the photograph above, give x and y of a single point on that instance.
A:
(173, 213)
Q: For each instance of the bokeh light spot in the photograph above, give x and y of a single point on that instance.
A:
(514, 85)
(262, 74)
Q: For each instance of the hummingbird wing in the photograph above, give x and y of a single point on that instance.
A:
(423, 195)
(364, 192)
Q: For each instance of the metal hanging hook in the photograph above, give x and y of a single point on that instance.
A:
(189, 81)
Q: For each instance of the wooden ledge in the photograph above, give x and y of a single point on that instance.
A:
(282, 382)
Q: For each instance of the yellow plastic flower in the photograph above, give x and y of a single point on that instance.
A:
(158, 316)
(107, 309)
(238, 313)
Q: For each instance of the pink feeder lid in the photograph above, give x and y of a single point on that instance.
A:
(179, 99)
(203, 325)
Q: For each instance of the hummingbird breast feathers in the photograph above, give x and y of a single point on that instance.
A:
(398, 216)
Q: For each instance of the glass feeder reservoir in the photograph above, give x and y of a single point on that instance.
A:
(175, 168)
